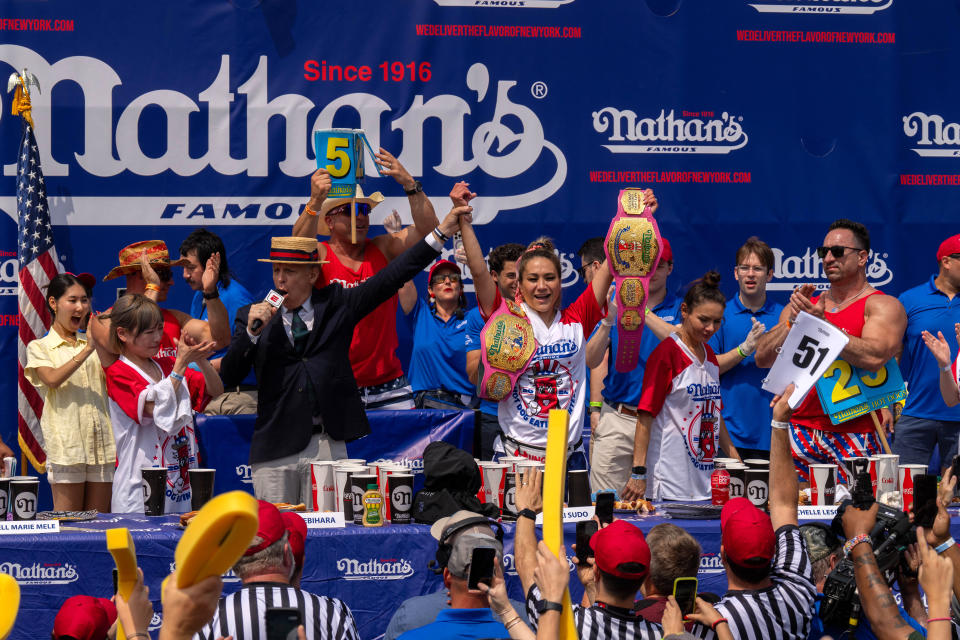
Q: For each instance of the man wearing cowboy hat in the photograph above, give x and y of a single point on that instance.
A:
(309, 406)
(373, 354)
(147, 267)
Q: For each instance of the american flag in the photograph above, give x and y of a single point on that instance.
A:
(38, 265)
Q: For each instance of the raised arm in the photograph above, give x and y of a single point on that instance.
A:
(528, 496)
(307, 224)
(217, 316)
(940, 349)
(483, 283)
(784, 487)
(421, 209)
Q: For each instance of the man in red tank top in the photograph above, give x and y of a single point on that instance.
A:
(147, 268)
(373, 350)
(875, 324)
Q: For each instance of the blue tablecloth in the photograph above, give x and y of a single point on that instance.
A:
(372, 570)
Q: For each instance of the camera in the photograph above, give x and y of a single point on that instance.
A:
(891, 534)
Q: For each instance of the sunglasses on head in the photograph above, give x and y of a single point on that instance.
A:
(836, 251)
(439, 278)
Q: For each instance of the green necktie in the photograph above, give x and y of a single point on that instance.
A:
(299, 331)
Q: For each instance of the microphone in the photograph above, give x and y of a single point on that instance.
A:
(275, 299)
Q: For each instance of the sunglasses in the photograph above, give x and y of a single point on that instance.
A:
(836, 251)
(363, 209)
(452, 277)
(582, 271)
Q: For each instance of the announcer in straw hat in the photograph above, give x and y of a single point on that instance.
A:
(373, 352)
(309, 405)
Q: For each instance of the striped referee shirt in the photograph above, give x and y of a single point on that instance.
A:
(243, 614)
(601, 622)
(782, 611)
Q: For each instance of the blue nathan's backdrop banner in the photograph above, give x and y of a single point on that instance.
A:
(748, 117)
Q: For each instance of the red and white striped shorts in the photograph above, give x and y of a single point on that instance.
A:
(816, 446)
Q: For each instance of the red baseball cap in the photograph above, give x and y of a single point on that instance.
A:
(442, 263)
(746, 534)
(666, 252)
(619, 544)
(270, 528)
(297, 530)
(949, 246)
(84, 618)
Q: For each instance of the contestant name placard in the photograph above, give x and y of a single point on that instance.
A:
(822, 512)
(572, 514)
(29, 527)
(323, 520)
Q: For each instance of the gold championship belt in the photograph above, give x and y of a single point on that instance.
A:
(506, 347)
(633, 248)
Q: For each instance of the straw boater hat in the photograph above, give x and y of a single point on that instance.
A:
(330, 204)
(157, 254)
(287, 250)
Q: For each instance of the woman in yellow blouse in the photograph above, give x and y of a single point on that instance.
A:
(64, 366)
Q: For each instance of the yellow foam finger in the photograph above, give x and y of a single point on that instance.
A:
(216, 538)
(121, 547)
(9, 604)
(554, 475)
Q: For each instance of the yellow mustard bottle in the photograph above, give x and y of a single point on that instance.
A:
(372, 507)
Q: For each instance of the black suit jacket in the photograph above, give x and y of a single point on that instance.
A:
(286, 403)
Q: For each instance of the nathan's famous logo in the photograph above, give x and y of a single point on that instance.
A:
(690, 132)
(245, 473)
(40, 572)
(568, 272)
(936, 138)
(821, 6)
(711, 563)
(485, 130)
(792, 271)
(504, 4)
(374, 569)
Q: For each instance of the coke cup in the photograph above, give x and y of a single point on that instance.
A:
(323, 486)
(494, 481)
(884, 473)
(511, 462)
(907, 473)
(823, 484)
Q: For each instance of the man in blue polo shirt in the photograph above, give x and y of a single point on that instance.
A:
(927, 420)
(611, 442)
(197, 249)
(503, 267)
(746, 407)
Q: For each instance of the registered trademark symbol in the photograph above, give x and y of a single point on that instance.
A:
(539, 90)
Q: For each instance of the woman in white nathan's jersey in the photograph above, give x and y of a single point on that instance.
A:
(556, 376)
(679, 426)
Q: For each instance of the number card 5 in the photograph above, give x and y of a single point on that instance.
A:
(809, 349)
(847, 391)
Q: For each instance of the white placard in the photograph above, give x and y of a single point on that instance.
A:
(323, 520)
(825, 512)
(572, 514)
(811, 346)
(29, 527)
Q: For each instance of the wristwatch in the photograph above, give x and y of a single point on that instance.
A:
(417, 188)
(528, 513)
(545, 605)
(211, 296)
(639, 470)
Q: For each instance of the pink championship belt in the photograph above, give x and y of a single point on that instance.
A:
(633, 250)
(506, 347)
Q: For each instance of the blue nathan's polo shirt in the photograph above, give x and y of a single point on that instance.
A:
(460, 623)
(438, 359)
(746, 407)
(626, 387)
(927, 308)
(471, 340)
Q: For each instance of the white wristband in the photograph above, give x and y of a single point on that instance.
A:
(947, 369)
(604, 323)
(779, 425)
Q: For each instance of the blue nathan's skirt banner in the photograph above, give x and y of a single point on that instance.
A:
(398, 436)
(747, 117)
